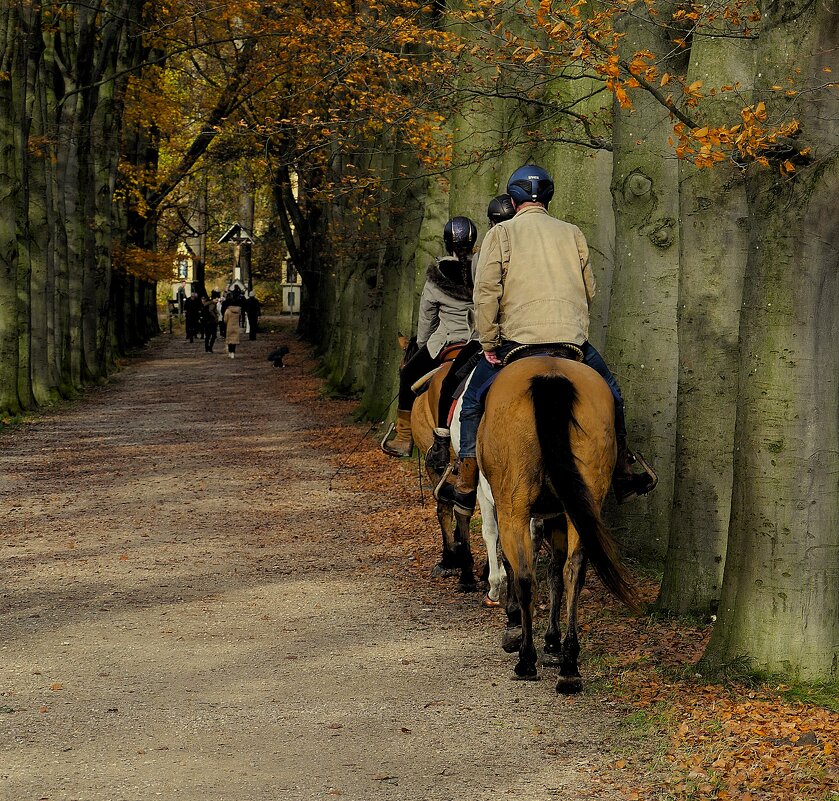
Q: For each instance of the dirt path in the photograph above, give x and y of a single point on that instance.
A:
(188, 610)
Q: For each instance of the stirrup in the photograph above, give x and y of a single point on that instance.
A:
(445, 492)
(638, 489)
(387, 434)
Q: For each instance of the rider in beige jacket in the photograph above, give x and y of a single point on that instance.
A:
(533, 286)
(549, 301)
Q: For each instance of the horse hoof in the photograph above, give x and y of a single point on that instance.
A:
(488, 603)
(525, 673)
(550, 659)
(467, 587)
(569, 685)
(511, 641)
(441, 571)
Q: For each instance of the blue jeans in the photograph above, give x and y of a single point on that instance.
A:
(594, 360)
(473, 399)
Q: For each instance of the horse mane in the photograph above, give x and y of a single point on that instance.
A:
(554, 397)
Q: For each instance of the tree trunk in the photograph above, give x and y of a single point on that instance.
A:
(780, 599)
(641, 343)
(714, 246)
(27, 58)
(9, 189)
(42, 297)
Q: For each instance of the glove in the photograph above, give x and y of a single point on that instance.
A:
(490, 356)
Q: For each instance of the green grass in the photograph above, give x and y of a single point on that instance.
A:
(741, 671)
(824, 694)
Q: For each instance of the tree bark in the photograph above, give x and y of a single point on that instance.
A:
(780, 602)
(714, 245)
(9, 191)
(641, 343)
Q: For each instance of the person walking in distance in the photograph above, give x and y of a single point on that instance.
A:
(231, 322)
(209, 312)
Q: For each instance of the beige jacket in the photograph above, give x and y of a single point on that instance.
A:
(231, 322)
(534, 283)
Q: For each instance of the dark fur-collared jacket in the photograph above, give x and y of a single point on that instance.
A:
(445, 311)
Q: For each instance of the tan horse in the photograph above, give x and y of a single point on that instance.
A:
(546, 445)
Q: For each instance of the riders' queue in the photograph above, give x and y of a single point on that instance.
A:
(532, 285)
(505, 338)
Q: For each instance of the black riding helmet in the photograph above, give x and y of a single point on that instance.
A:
(530, 184)
(500, 209)
(460, 235)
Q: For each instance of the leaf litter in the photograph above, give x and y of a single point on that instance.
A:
(694, 740)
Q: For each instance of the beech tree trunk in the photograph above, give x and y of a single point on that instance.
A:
(780, 602)
(641, 343)
(714, 238)
(9, 190)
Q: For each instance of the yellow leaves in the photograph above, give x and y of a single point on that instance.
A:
(665, 79)
(145, 264)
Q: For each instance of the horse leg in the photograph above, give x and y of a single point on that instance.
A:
(448, 564)
(489, 531)
(517, 541)
(557, 535)
(574, 575)
(463, 552)
(525, 589)
(511, 641)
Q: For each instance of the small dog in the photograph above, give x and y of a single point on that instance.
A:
(276, 356)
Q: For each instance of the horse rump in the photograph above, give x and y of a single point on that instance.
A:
(554, 398)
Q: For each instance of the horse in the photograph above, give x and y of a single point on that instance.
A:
(546, 449)
(455, 527)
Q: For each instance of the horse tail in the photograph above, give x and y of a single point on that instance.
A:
(553, 398)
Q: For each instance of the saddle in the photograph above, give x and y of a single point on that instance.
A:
(560, 350)
(448, 354)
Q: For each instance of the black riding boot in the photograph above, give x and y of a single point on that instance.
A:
(626, 483)
(438, 456)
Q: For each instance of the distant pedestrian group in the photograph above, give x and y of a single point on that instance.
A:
(221, 314)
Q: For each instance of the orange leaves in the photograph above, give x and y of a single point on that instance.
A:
(144, 264)
(622, 97)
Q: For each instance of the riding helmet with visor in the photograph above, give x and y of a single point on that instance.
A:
(500, 209)
(460, 235)
(530, 184)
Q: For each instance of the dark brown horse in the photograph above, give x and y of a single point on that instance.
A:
(546, 445)
(457, 553)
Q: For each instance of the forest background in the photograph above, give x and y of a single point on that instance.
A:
(695, 145)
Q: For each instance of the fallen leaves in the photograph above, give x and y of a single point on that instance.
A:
(720, 742)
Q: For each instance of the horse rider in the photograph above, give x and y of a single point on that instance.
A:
(445, 317)
(500, 208)
(534, 286)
